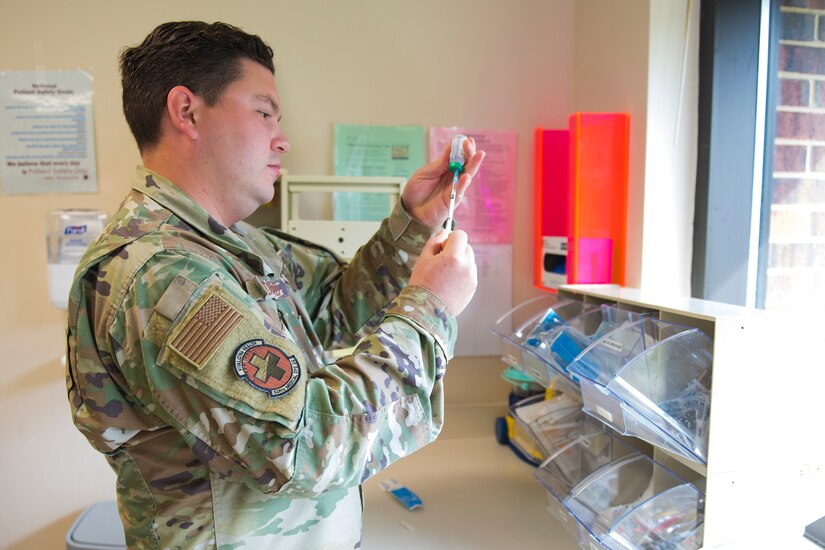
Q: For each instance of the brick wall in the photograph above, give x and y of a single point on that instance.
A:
(796, 264)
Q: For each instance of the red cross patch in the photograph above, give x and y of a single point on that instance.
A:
(266, 367)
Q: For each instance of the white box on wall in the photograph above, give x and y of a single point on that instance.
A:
(554, 261)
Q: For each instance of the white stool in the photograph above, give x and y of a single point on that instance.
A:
(98, 527)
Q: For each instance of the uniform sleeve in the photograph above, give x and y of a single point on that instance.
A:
(200, 354)
(347, 302)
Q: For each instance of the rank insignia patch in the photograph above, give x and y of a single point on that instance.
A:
(274, 289)
(266, 367)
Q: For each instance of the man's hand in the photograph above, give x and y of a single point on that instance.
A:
(447, 267)
(427, 193)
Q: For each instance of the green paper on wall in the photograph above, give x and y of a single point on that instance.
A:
(373, 151)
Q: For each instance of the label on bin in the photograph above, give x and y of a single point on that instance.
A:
(604, 413)
(563, 516)
(613, 344)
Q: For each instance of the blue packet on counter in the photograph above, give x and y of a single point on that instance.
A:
(402, 494)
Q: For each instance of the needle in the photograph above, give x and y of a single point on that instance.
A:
(449, 225)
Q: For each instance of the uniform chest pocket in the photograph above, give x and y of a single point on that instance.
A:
(277, 302)
(270, 295)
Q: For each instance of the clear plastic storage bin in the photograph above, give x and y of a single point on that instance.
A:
(527, 333)
(573, 337)
(550, 333)
(651, 379)
(569, 461)
(672, 519)
(636, 503)
(541, 422)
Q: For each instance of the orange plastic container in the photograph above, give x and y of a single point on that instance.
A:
(594, 194)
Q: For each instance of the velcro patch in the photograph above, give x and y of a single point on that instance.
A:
(205, 329)
(266, 367)
(175, 297)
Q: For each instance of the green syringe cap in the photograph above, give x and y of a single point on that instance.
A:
(456, 167)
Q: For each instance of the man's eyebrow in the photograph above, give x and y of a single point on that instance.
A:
(267, 99)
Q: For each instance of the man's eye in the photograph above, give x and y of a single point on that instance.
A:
(264, 114)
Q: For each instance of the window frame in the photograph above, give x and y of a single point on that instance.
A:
(734, 180)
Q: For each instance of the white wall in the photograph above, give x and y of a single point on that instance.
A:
(361, 61)
(672, 125)
(611, 76)
(641, 57)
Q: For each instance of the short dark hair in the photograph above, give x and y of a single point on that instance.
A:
(203, 57)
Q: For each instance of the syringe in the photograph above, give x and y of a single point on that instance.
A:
(456, 167)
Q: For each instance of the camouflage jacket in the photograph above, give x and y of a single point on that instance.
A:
(194, 365)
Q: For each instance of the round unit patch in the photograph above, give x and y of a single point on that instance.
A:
(266, 367)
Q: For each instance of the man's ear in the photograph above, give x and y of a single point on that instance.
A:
(181, 106)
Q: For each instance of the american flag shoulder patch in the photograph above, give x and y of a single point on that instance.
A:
(205, 329)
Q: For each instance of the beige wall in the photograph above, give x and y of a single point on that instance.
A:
(611, 76)
(641, 57)
(523, 63)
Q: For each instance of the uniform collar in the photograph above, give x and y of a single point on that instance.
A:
(171, 197)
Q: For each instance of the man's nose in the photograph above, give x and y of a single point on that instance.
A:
(280, 143)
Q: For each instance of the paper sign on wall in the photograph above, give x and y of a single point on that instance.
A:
(492, 300)
(486, 213)
(46, 132)
(374, 151)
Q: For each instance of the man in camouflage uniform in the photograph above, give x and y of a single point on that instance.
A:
(195, 339)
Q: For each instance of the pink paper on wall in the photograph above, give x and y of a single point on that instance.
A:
(486, 213)
(595, 258)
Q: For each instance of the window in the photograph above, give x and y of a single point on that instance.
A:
(759, 231)
(792, 266)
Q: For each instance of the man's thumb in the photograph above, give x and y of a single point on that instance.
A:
(435, 244)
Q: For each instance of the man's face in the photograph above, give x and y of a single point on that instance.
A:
(243, 142)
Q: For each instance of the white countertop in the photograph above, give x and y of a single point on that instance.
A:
(476, 495)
